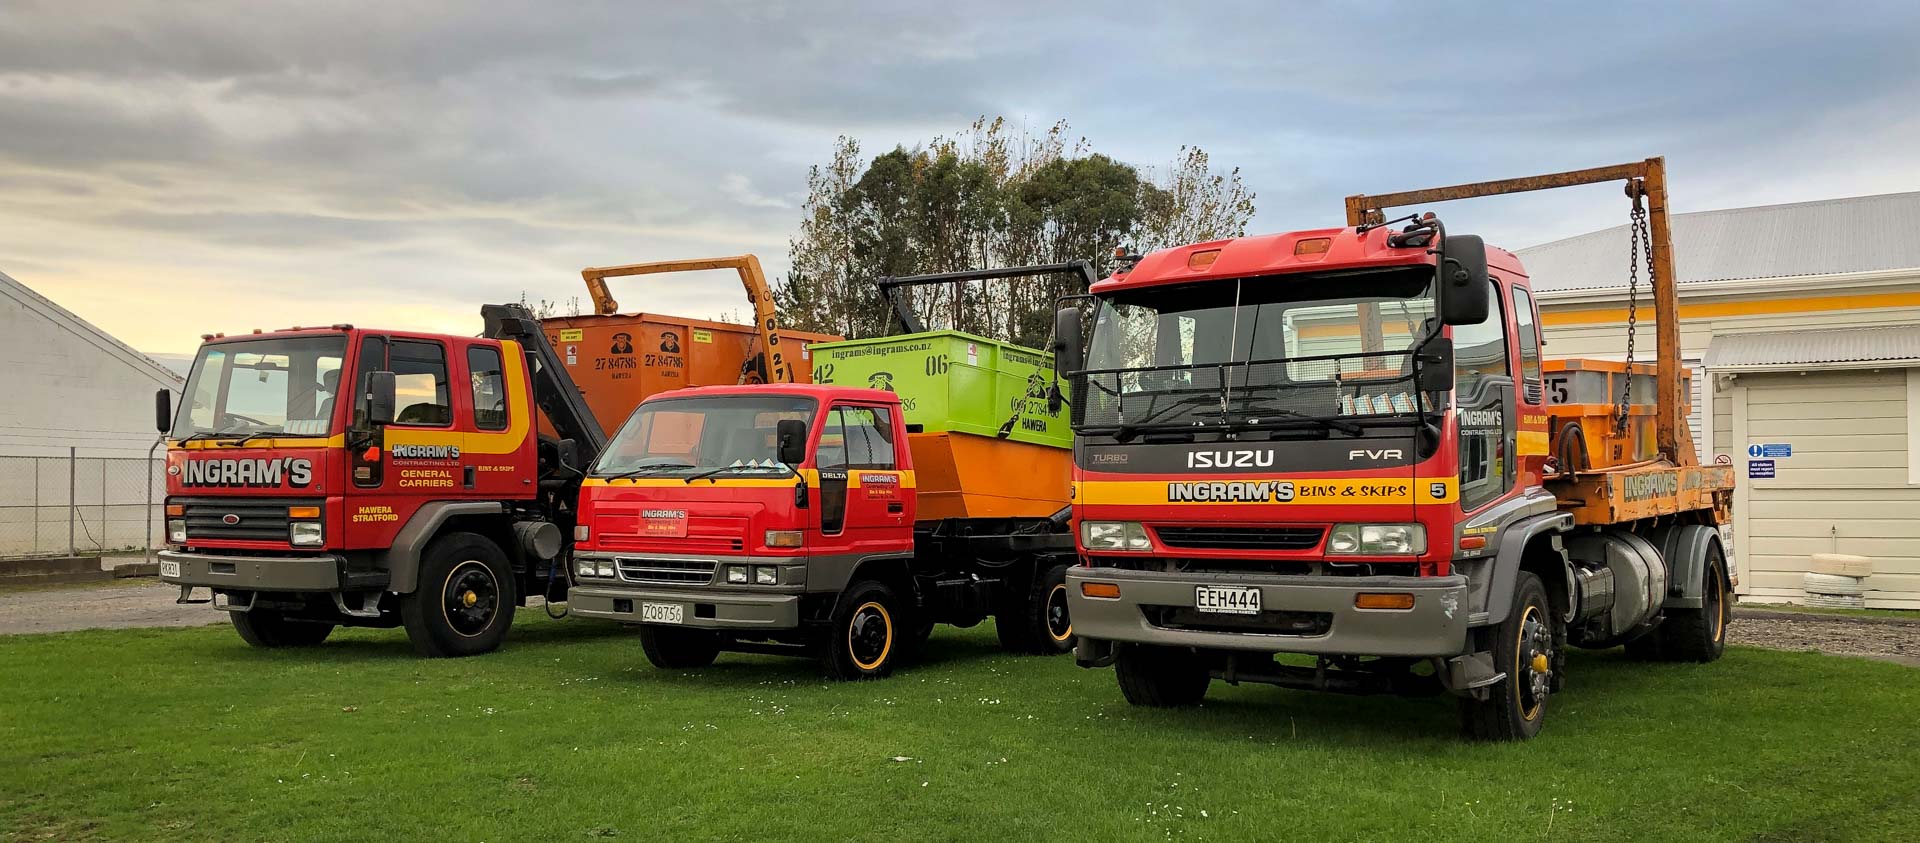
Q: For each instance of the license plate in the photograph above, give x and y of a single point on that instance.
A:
(1227, 600)
(169, 569)
(661, 612)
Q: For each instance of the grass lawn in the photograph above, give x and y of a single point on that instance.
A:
(569, 734)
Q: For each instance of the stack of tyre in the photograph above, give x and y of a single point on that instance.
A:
(1837, 581)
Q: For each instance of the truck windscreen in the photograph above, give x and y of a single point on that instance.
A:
(262, 387)
(1268, 351)
(687, 436)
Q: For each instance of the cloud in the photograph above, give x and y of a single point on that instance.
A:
(400, 163)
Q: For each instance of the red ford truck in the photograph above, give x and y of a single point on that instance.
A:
(343, 476)
(1337, 460)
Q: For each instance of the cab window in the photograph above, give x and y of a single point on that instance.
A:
(420, 384)
(489, 388)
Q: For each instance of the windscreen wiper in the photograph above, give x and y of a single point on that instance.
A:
(648, 469)
(1335, 424)
(255, 435)
(710, 473)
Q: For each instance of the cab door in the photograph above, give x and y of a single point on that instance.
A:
(864, 506)
(1484, 406)
(417, 455)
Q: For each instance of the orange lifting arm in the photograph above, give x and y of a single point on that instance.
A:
(773, 361)
(1646, 179)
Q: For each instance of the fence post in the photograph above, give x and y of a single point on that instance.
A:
(73, 503)
(146, 532)
(106, 518)
(36, 506)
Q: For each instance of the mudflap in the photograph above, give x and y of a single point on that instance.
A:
(1090, 652)
(1470, 675)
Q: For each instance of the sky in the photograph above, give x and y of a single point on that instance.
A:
(171, 169)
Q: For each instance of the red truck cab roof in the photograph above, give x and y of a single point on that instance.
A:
(820, 392)
(1315, 250)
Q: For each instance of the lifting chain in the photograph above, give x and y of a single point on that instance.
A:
(1639, 244)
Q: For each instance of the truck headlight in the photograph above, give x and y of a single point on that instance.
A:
(765, 575)
(1126, 536)
(1377, 540)
(177, 530)
(583, 567)
(737, 574)
(306, 534)
(603, 568)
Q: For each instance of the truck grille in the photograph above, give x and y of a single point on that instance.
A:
(1241, 538)
(254, 519)
(666, 571)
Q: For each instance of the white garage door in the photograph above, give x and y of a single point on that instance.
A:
(1845, 487)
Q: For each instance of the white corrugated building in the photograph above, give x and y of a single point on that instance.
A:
(1806, 321)
(72, 384)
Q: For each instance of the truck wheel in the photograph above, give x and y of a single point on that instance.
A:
(463, 603)
(268, 628)
(1038, 622)
(679, 649)
(1516, 706)
(866, 632)
(1161, 677)
(1700, 635)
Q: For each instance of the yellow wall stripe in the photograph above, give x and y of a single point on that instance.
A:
(1553, 316)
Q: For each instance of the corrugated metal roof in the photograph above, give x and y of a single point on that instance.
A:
(1856, 234)
(1801, 348)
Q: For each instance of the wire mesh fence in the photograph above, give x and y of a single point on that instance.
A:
(52, 506)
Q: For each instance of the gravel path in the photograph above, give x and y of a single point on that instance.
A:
(125, 604)
(1888, 639)
(148, 603)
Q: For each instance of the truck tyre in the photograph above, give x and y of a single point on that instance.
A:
(1700, 635)
(670, 648)
(866, 633)
(1161, 677)
(464, 601)
(1037, 622)
(1516, 706)
(269, 628)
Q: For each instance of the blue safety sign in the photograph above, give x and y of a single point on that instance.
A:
(1771, 450)
(1759, 469)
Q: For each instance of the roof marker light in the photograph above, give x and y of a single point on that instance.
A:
(1312, 246)
(1202, 260)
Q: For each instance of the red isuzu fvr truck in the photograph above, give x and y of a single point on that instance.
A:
(342, 476)
(1341, 443)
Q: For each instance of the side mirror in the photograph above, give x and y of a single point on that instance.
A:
(380, 398)
(791, 438)
(1463, 280)
(1066, 351)
(1433, 366)
(163, 410)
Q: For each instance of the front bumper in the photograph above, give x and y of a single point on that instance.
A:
(1435, 626)
(700, 608)
(317, 572)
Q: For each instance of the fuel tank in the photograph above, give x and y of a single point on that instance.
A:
(1621, 582)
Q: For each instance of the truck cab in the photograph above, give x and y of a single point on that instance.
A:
(753, 517)
(343, 476)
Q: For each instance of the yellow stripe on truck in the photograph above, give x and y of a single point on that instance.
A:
(1302, 491)
(812, 476)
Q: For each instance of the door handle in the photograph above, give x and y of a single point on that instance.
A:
(896, 508)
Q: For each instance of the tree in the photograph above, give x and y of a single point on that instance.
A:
(992, 196)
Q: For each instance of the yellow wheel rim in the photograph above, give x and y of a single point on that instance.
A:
(856, 628)
(1062, 630)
